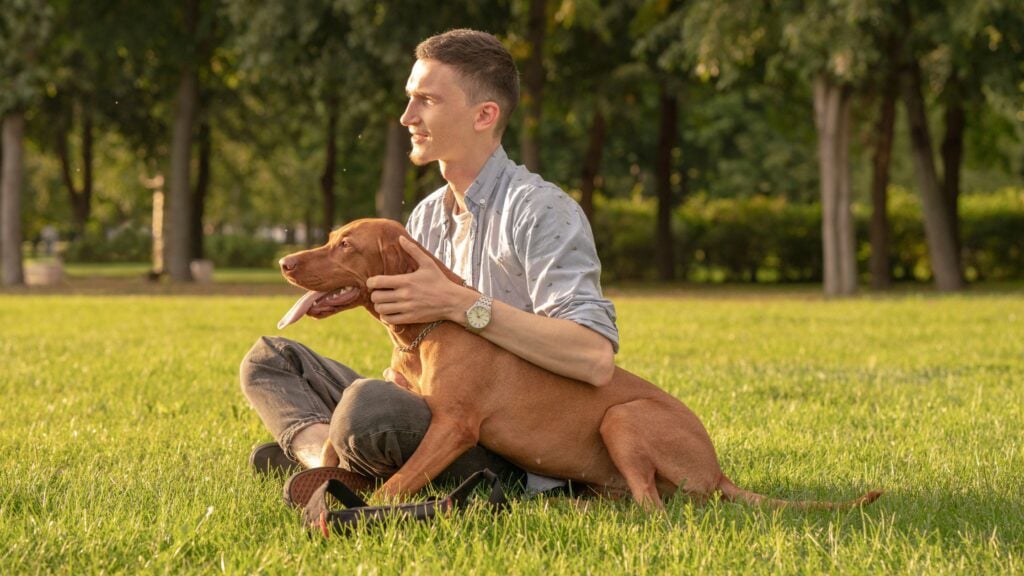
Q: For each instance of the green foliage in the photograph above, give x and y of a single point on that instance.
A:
(126, 437)
(25, 27)
(130, 244)
(992, 228)
(125, 244)
(240, 251)
(771, 239)
(270, 72)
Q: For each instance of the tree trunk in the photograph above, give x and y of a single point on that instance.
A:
(832, 120)
(391, 193)
(330, 166)
(179, 200)
(533, 84)
(11, 178)
(952, 154)
(79, 199)
(881, 266)
(592, 162)
(667, 138)
(938, 224)
(202, 188)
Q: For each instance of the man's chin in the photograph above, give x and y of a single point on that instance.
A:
(419, 159)
(420, 154)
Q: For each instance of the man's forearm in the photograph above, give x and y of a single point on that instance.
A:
(556, 344)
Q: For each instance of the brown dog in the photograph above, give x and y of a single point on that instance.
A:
(629, 434)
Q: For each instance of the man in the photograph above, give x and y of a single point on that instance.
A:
(522, 242)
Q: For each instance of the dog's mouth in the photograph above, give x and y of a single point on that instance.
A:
(336, 298)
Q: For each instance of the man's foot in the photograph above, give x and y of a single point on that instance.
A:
(299, 488)
(270, 458)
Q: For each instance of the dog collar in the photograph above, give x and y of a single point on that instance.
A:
(423, 334)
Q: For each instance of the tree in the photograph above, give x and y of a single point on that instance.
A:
(24, 31)
(880, 266)
(655, 23)
(828, 46)
(938, 217)
(533, 78)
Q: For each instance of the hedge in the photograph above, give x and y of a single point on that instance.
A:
(757, 239)
(130, 244)
(764, 239)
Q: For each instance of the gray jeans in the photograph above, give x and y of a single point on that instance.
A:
(375, 425)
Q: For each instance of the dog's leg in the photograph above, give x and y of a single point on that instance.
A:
(625, 440)
(446, 439)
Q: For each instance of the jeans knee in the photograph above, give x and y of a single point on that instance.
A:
(376, 425)
(266, 347)
(365, 403)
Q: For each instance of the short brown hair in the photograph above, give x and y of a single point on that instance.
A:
(486, 65)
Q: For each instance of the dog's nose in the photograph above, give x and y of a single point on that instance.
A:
(287, 263)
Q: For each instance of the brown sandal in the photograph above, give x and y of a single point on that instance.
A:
(301, 485)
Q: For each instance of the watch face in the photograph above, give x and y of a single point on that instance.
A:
(478, 316)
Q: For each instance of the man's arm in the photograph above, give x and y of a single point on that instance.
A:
(556, 344)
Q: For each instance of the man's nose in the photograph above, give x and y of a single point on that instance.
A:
(408, 118)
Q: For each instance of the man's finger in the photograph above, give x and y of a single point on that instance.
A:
(384, 296)
(383, 282)
(418, 254)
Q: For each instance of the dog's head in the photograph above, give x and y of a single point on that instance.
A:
(337, 271)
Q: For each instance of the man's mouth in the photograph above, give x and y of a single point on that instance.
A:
(417, 138)
(338, 297)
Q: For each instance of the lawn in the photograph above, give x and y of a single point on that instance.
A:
(125, 440)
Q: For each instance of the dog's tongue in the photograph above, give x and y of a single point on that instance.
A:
(299, 309)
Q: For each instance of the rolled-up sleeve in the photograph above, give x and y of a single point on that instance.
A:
(557, 251)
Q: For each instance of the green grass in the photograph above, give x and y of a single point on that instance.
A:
(125, 439)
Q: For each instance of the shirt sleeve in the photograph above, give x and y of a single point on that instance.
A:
(563, 273)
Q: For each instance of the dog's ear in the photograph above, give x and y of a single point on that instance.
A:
(396, 260)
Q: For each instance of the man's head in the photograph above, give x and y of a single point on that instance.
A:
(485, 68)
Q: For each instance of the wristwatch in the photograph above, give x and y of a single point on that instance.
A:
(479, 314)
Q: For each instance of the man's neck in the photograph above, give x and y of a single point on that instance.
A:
(461, 174)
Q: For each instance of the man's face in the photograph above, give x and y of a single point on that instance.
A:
(438, 115)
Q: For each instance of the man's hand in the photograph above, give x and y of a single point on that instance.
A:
(421, 296)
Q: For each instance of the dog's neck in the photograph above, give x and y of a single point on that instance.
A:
(407, 337)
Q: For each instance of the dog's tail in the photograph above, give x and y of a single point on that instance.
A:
(734, 493)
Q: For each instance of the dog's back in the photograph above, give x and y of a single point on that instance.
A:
(542, 422)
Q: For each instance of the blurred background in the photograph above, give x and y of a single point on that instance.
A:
(848, 143)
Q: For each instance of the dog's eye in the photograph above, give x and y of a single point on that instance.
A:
(345, 243)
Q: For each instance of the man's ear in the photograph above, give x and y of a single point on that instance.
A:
(487, 116)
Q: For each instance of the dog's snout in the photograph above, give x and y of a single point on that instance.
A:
(287, 263)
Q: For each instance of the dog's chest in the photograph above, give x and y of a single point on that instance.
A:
(410, 366)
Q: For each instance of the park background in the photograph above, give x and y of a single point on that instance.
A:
(744, 165)
(859, 142)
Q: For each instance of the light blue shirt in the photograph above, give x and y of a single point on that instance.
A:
(532, 246)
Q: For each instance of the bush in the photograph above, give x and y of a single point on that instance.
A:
(624, 232)
(128, 244)
(124, 244)
(237, 251)
(770, 239)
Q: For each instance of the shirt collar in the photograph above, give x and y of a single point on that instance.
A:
(482, 188)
